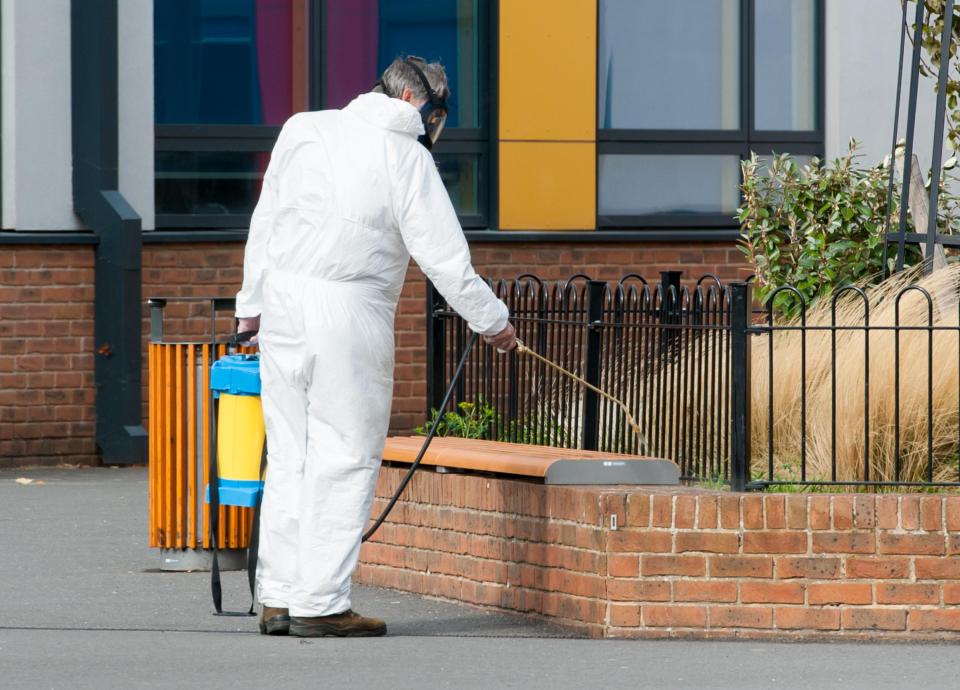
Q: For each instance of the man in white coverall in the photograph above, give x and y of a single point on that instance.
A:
(348, 197)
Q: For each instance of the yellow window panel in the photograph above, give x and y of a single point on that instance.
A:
(547, 185)
(548, 70)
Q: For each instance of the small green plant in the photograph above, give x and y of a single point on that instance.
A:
(479, 420)
(470, 420)
(711, 484)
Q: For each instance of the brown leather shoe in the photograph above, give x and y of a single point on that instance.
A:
(274, 621)
(346, 624)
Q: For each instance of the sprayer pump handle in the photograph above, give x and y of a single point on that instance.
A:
(242, 337)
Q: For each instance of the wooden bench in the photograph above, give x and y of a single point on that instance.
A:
(551, 465)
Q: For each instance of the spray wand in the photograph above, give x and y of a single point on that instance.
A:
(524, 350)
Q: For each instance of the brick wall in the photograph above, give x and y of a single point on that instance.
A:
(679, 564)
(46, 323)
(46, 355)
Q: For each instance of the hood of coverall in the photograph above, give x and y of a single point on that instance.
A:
(389, 113)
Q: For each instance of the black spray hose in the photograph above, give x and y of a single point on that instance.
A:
(426, 443)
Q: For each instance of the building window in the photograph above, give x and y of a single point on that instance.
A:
(362, 37)
(687, 90)
(230, 72)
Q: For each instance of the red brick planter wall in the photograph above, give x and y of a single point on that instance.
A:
(680, 564)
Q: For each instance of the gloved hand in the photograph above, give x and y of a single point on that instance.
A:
(249, 323)
(505, 340)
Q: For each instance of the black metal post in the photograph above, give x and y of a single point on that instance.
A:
(596, 291)
(911, 126)
(436, 349)
(670, 310)
(893, 143)
(939, 118)
(513, 390)
(670, 279)
(740, 384)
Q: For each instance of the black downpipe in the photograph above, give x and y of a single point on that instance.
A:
(117, 319)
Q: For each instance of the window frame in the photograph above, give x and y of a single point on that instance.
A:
(714, 226)
(479, 141)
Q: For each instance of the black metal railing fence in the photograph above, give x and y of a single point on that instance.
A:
(661, 349)
(861, 389)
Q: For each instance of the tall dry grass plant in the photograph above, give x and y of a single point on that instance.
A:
(840, 364)
(820, 374)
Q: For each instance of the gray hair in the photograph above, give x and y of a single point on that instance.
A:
(400, 75)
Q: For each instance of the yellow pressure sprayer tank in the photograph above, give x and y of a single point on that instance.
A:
(235, 382)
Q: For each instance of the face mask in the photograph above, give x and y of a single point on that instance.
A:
(434, 120)
(433, 113)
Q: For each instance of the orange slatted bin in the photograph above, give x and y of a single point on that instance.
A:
(179, 456)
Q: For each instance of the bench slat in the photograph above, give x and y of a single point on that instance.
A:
(490, 456)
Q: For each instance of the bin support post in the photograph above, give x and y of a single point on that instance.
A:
(157, 305)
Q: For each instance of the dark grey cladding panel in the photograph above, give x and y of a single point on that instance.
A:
(654, 472)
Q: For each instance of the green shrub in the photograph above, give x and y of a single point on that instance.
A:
(816, 227)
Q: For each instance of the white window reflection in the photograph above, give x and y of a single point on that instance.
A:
(648, 184)
(669, 65)
(785, 65)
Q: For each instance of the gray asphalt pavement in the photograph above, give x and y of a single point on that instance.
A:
(83, 605)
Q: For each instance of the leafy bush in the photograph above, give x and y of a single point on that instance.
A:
(816, 227)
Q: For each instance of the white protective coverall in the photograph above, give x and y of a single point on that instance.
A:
(349, 195)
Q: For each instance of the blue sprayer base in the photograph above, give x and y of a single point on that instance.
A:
(236, 492)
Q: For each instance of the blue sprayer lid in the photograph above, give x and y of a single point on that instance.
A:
(236, 375)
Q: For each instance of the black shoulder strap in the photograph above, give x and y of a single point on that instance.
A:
(253, 551)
